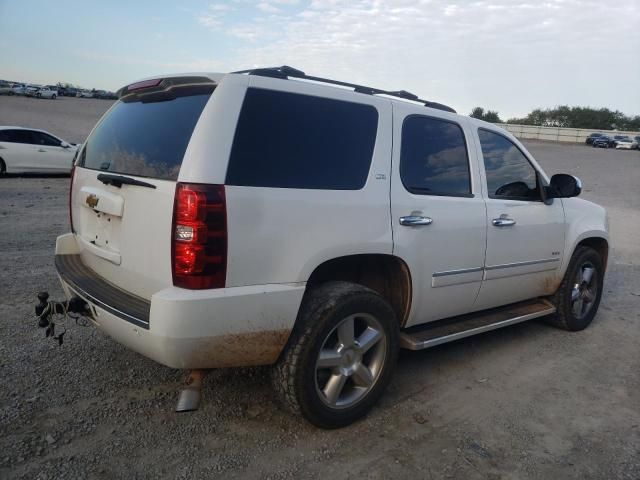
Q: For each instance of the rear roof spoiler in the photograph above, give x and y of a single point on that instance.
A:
(153, 88)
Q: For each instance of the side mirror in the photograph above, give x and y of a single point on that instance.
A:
(564, 186)
(64, 145)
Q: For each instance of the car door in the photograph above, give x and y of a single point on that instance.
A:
(525, 235)
(50, 156)
(16, 150)
(438, 213)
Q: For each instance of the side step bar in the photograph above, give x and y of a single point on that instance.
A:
(451, 329)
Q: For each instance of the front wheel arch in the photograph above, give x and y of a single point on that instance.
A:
(600, 245)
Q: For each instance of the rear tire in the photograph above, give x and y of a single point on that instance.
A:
(3, 168)
(53, 97)
(341, 355)
(578, 298)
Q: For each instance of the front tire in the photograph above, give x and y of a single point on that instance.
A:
(341, 355)
(578, 298)
(53, 97)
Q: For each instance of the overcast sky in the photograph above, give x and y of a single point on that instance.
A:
(506, 55)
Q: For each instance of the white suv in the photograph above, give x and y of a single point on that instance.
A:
(267, 217)
(47, 92)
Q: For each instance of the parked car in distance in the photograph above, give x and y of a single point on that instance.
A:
(27, 150)
(19, 89)
(636, 141)
(382, 224)
(70, 92)
(32, 90)
(592, 137)
(47, 92)
(84, 94)
(603, 141)
(5, 88)
(626, 144)
(105, 95)
(617, 138)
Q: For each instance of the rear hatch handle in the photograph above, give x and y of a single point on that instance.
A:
(119, 180)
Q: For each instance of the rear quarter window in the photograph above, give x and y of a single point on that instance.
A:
(287, 140)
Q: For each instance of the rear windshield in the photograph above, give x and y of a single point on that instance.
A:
(145, 138)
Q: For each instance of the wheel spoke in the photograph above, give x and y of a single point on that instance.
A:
(346, 332)
(575, 293)
(328, 358)
(587, 274)
(588, 296)
(577, 307)
(362, 376)
(368, 339)
(334, 387)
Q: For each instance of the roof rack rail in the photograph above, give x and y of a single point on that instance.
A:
(285, 72)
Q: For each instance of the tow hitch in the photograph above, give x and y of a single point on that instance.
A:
(51, 313)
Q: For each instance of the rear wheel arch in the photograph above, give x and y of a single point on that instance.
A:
(387, 275)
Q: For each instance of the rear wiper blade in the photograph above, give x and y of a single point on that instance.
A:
(119, 180)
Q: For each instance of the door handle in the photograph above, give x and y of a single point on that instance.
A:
(415, 221)
(503, 221)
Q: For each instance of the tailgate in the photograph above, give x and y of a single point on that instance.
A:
(124, 183)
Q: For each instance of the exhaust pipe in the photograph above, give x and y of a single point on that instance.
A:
(191, 394)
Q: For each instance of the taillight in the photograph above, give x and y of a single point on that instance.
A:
(199, 236)
(73, 172)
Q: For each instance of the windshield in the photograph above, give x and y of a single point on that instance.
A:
(145, 138)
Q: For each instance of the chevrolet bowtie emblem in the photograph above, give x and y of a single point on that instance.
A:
(92, 200)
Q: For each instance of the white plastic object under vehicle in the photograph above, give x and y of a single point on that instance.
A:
(267, 217)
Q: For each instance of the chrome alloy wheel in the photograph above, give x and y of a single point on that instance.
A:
(584, 291)
(350, 360)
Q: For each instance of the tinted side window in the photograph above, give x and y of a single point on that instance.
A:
(287, 140)
(509, 173)
(433, 157)
(16, 136)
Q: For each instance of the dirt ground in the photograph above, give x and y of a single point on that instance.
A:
(528, 401)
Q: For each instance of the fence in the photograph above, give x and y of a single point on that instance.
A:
(558, 134)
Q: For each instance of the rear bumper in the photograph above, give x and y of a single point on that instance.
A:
(227, 327)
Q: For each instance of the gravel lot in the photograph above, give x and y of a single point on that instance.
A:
(528, 401)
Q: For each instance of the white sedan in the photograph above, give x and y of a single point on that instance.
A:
(626, 144)
(27, 150)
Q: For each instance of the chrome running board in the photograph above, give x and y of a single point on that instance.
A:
(451, 329)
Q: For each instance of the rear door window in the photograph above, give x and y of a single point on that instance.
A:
(16, 136)
(433, 157)
(288, 140)
(145, 138)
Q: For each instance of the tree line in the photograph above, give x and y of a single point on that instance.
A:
(567, 117)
